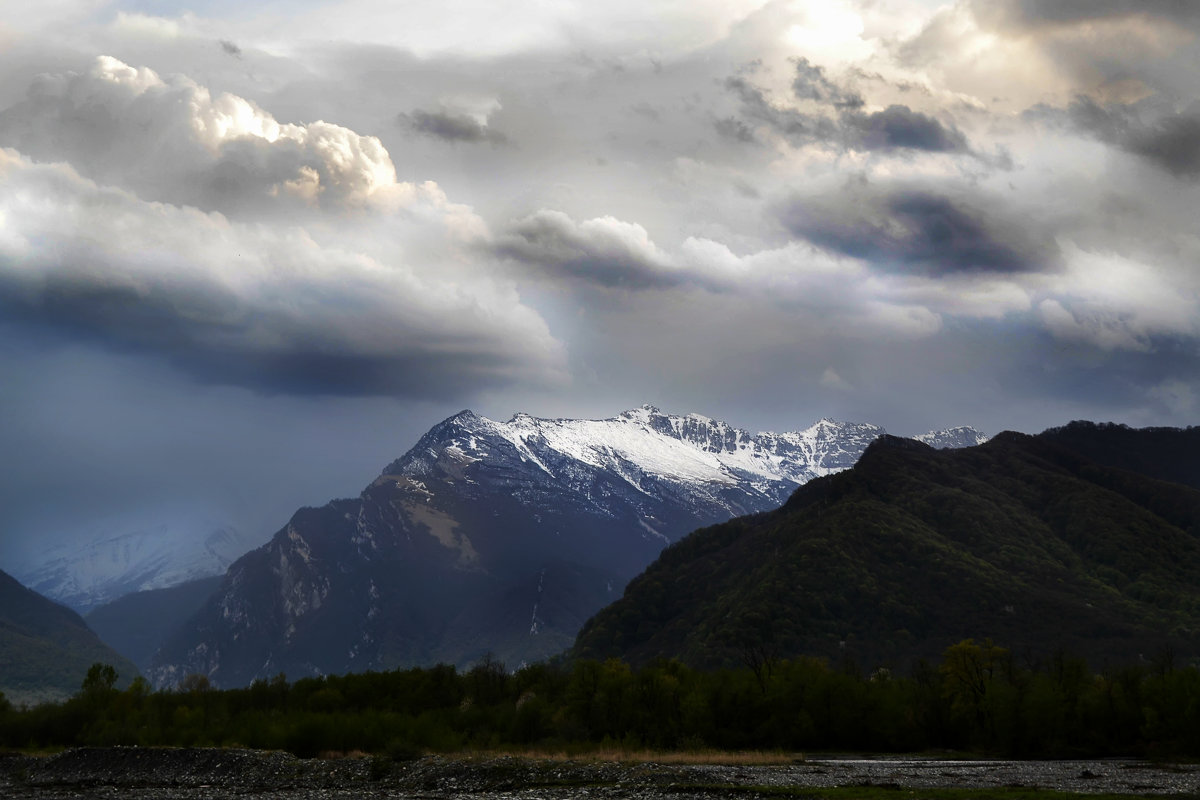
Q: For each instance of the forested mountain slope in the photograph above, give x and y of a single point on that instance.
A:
(1022, 539)
(45, 648)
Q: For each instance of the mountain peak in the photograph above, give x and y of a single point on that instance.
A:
(464, 417)
(643, 413)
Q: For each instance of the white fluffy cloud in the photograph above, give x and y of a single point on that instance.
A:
(148, 214)
(1115, 303)
(171, 139)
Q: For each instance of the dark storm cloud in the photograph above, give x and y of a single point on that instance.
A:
(450, 127)
(217, 351)
(897, 127)
(1173, 143)
(604, 252)
(273, 309)
(231, 48)
(1169, 140)
(1033, 13)
(920, 230)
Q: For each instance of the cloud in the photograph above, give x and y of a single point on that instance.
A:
(268, 307)
(1168, 140)
(825, 294)
(811, 83)
(896, 127)
(1112, 302)
(831, 380)
(796, 127)
(1181, 397)
(170, 139)
(1034, 13)
(451, 127)
(735, 129)
(605, 251)
(477, 29)
(613, 254)
(230, 48)
(1012, 54)
(921, 230)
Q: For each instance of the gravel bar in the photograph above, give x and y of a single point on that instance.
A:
(131, 773)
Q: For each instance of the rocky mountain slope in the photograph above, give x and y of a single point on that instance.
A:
(45, 648)
(1041, 543)
(490, 537)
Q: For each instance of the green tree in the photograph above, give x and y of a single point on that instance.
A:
(100, 679)
(968, 671)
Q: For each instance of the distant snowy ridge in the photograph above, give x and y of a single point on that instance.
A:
(115, 564)
(960, 436)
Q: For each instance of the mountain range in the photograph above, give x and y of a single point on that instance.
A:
(1084, 539)
(494, 538)
(509, 538)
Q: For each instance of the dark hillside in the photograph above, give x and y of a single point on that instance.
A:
(45, 648)
(1169, 454)
(1022, 539)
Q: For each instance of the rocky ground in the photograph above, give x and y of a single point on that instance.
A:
(130, 773)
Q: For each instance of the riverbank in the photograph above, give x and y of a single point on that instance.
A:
(131, 773)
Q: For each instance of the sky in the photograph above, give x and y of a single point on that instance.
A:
(250, 251)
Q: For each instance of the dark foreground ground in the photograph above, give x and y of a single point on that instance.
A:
(203, 774)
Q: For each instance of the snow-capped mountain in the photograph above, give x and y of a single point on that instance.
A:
(952, 438)
(116, 562)
(500, 537)
(638, 460)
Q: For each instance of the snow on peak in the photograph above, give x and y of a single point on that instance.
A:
(959, 436)
(647, 448)
(646, 442)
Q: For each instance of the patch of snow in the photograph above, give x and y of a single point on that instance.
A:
(652, 531)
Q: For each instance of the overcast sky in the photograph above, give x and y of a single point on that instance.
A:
(250, 251)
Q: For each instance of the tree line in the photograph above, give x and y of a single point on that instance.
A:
(977, 698)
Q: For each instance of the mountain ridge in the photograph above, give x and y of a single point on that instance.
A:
(469, 522)
(1022, 539)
